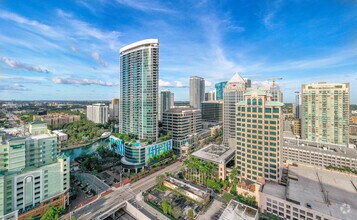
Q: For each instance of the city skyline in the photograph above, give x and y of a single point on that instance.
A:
(71, 50)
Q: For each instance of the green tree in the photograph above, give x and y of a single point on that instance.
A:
(176, 212)
(160, 180)
(165, 206)
(190, 214)
(52, 213)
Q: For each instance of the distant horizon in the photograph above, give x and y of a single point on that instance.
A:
(99, 101)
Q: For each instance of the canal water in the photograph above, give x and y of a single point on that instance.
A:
(86, 149)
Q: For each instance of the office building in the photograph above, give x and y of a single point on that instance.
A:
(325, 112)
(197, 91)
(220, 90)
(210, 96)
(97, 113)
(56, 120)
(259, 137)
(233, 93)
(114, 110)
(139, 75)
(32, 175)
(165, 102)
(184, 123)
(212, 111)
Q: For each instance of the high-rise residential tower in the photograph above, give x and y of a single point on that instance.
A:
(259, 137)
(233, 93)
(325, 112)
(220, 90)
(197, 91)
(97, 113)
(114, 109)
(139, 74)
(165, 102)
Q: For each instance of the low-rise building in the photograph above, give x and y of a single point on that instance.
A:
(137, 155)
(61, 136)
(220, 155)
(311, 193)
(318, 154)
(239, 211)
(57, 119)
(196, 193)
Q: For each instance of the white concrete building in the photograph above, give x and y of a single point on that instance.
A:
(98, 113)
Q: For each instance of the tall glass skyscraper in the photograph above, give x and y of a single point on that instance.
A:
(220, 90)
(165, 102)
(139, 74)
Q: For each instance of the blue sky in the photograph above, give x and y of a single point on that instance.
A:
(69, 50)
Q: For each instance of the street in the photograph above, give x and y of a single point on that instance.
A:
(94, 183)
(124, 193)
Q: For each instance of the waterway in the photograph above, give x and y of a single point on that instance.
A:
(73, 153)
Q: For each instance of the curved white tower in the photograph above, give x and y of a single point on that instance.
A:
(139, 74)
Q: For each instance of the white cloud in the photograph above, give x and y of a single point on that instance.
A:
(269, 17)
(180, 84)
(177, 84)
(261, 84)
(77, 81)
(22, 66)
(97, 57)
(163, 83)
(208, 83)
(13, 87)
(85, 30)
(146, 6)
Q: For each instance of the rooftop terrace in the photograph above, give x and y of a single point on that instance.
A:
(238, 211)
(215, 153)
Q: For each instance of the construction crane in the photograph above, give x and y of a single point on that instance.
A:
(273, 80)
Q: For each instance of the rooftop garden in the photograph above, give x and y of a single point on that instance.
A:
(131, 138)
(342, 169)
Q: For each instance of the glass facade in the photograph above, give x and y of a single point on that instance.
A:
(139, 73)
(220, 90)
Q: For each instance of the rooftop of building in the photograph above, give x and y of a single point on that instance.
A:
(42, 136)
(239, 211)
(38, 122)
(236, 79)
(195, 189)
(214, 101)
(337, 149)
(139, 44)
(215, 153)
(323, 190)
(182, 110)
